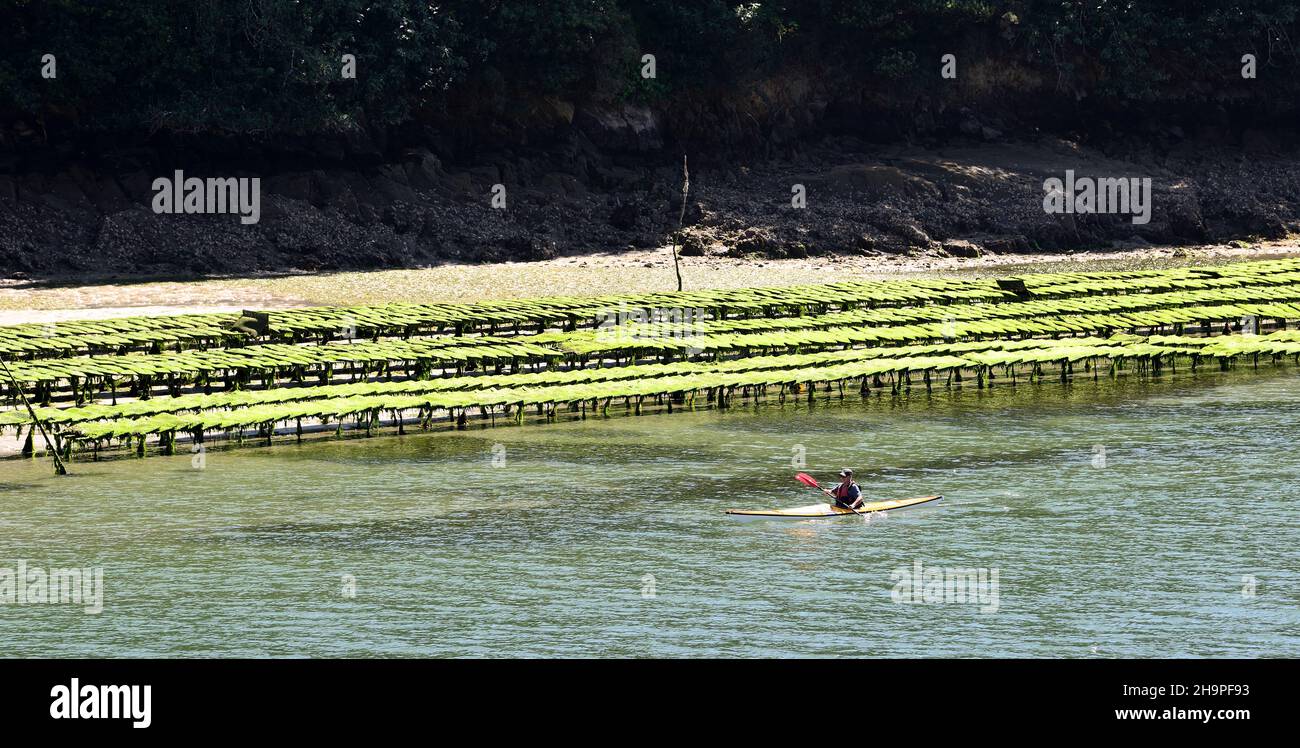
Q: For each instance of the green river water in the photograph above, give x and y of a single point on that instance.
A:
(1123, 519)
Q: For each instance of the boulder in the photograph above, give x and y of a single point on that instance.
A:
(962, 248)
(867, 244)
(692, 245)
(1008, 245)
(625, 128)
(754, 241)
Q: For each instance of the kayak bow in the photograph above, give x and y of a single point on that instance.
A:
(824, 511)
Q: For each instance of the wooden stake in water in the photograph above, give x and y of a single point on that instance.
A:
(59, 469)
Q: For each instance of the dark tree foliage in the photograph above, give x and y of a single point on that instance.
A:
(558, 46)
(247, 66)
(257, 66)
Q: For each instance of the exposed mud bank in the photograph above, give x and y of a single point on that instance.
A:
(611, 181)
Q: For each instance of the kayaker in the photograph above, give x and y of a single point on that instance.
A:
(847, 494)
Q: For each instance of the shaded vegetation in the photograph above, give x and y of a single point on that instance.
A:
(274, 66)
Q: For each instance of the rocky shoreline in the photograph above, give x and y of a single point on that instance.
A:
(611, 184)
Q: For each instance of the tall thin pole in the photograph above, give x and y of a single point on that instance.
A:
(681, 218)
(59, 469)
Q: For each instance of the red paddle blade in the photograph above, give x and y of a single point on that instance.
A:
(807, 480)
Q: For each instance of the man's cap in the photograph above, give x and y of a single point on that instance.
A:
(846, 472)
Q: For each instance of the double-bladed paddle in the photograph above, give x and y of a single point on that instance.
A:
(811, 482)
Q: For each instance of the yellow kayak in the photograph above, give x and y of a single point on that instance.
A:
(823, 511)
